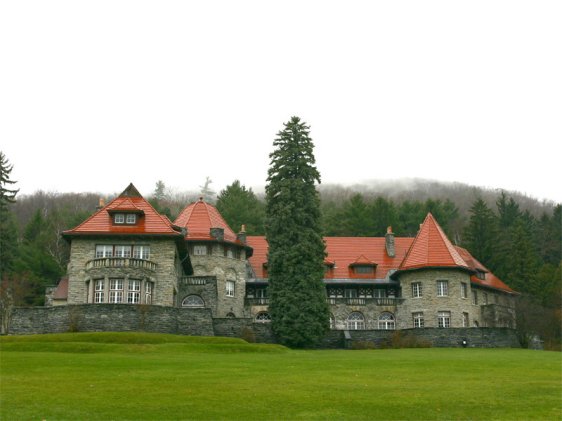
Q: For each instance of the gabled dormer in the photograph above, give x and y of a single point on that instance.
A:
(363, 267)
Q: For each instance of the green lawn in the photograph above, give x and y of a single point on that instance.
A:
(166, 377)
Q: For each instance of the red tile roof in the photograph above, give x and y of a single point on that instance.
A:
(61, 292)
(432, 248)
(199, 218)
(148, 220)
(344, 252)
(362, 261)
(490, 280)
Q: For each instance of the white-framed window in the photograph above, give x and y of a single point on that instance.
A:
(141, 252)
(119, 218)
(474, 297)
(193, 301)
(104, 250)
(485, 297)
(99, 286)
(418, 319)
(351, 293)
(465, 320)
(148, 292)
(133, 293)
(116, 290)
(123, 251)
(131, 218)
(355, 321)
(416, 289)
(230, 288)
(442, 288)
(263, 317)
(464, 290)
(386, 321)
(332, 321)
(229, 252)
(444, 319)
(199, 250)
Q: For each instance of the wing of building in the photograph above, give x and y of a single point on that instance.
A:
(127, 253)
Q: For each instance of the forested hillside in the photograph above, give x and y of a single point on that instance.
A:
(515, 236)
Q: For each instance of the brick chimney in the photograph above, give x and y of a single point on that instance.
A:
(241, 236)
(389, 242)
(101, 204)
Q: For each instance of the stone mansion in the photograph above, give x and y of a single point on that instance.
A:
(127, 253)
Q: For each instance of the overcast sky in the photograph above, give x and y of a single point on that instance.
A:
(97, 94)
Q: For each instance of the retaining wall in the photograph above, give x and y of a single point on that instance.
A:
(199, 321)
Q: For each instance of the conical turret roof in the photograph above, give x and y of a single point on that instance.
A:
(199, 218)
(432, 248)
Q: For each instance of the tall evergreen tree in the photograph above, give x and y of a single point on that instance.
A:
(240, 206)
(6, 195)
(299, 312)
(8, 229)
(481, 232)
(383, 215)
(355, 217)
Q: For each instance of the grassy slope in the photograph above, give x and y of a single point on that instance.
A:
(144, 376)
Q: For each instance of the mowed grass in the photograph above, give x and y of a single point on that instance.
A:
(137, 376)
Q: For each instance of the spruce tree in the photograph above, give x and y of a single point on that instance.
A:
(240, 206)
(8, 229)
(481, 232)
(298, 308)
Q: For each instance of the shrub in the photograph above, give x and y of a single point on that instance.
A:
(248, 335)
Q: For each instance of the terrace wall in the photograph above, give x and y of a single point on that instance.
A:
(199, 321)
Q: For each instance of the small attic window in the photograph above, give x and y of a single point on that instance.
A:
(480, 274)
(364, 269)
(125, 218)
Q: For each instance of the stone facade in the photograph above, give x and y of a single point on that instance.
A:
(225, 263)
(424, 298)
(162, 269)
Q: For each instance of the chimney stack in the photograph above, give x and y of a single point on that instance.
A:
(241, 236)
(389, 242)
(101, 204)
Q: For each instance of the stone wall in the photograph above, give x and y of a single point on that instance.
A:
(111, 318)
(436, 337)
(199, 321)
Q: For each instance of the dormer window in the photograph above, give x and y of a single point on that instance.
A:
(125, 218)
(480, 274)
(363, 267)
(364, 270)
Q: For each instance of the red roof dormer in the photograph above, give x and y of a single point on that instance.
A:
(130, 202)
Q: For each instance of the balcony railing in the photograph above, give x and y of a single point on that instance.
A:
(198, 280)
(365, 301)
(120, 262)
(253, 301)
